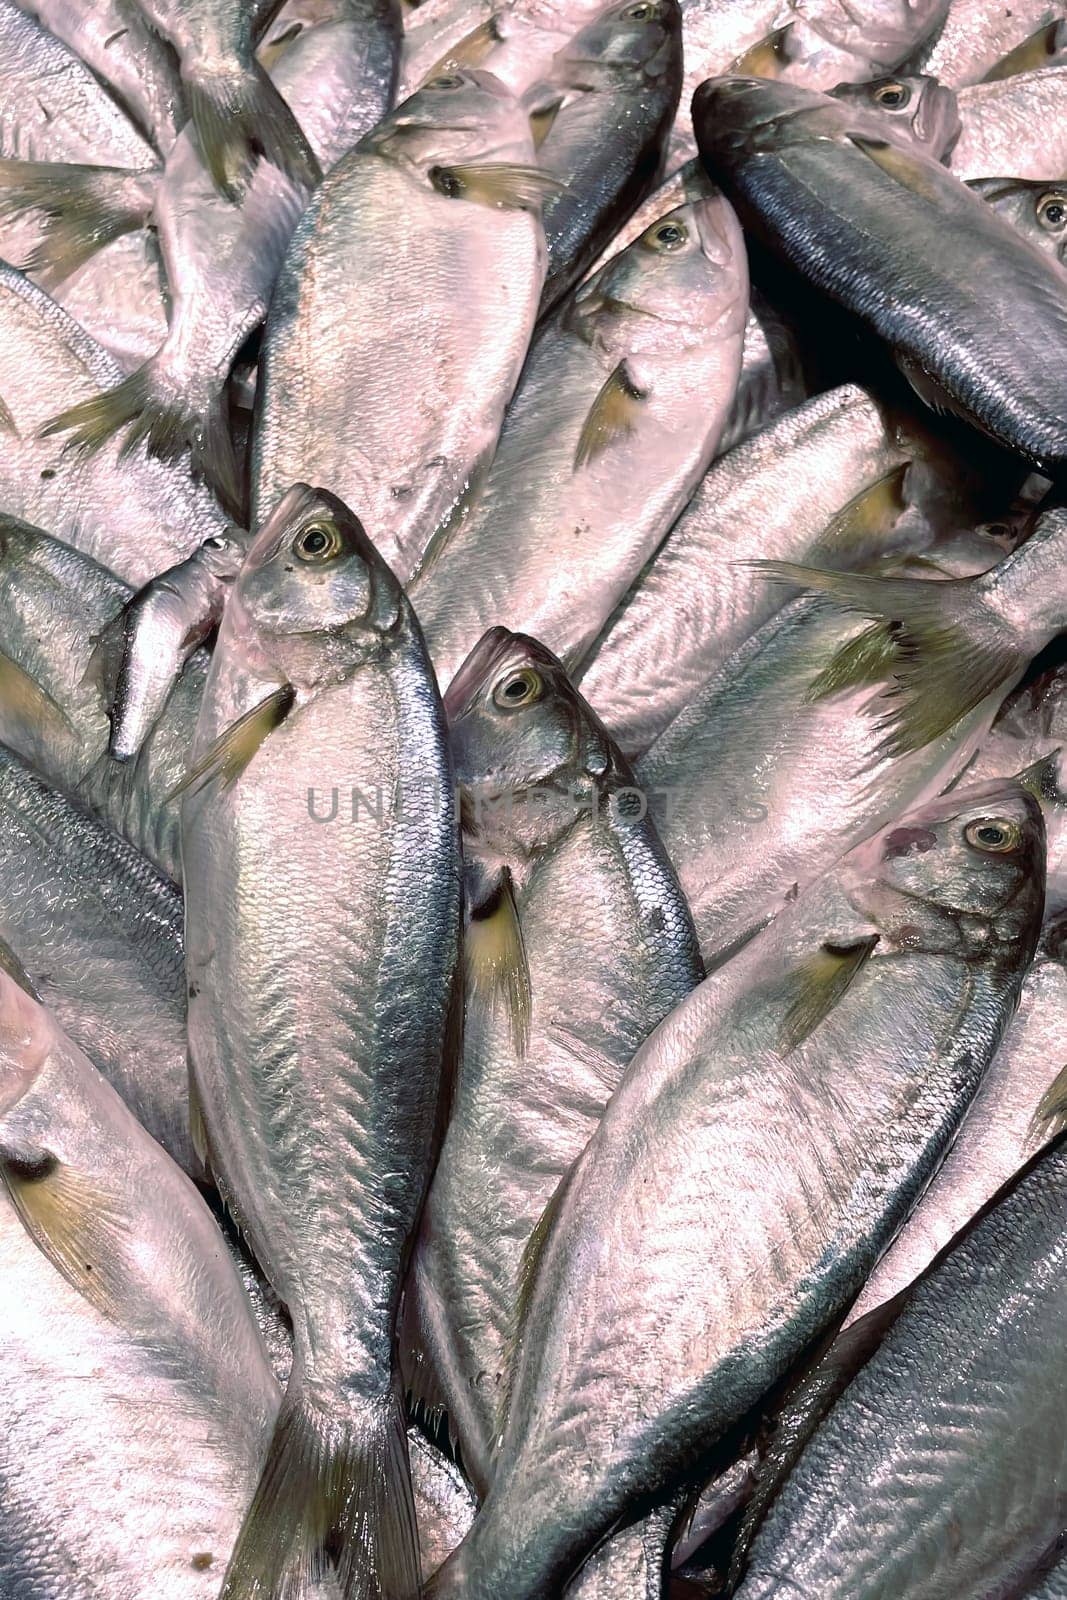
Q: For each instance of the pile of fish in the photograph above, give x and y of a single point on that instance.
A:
(533, 817)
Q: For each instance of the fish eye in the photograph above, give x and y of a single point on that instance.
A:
(445, 181)
(318, 542)
(996, 835)
(518, 688)
(668, 236)
(1052, 211)
(643, 11)
(444, 80)
(893, 95)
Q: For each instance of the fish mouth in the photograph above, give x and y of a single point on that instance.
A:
(491, 648)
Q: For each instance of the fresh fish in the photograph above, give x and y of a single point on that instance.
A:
(977, 34)
(515, 41)
(136, 1391)
(99, 932)
(402, 314)
(608, 105)
(762, 1149)
(1014, 128)
(875, 225)
(52, 108)
(319, 1089)
(113, 38)
(577, 945)
(618, 414)
(826, 479)
(236, 110)
(797, 748)
(952, 1428)
(132, 513)
(1037, 208)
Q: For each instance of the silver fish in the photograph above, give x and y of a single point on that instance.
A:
(1014, 128)
(135, 514)
(117, 296)
(977, 34)
(1037, 208)
(618, 413)
(580, 943)
(515, 41)
(320, 678)
(402, 314)
(762, 1149)
(99, 932)
(953, 1429)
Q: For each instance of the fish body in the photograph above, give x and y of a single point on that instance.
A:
(619, 411)
(976, 34)
(402, 315)
(319, 1090)
(1012, 127)
(791, 1135)
(545, 797)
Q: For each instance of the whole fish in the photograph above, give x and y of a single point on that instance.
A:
(129, 511)
(826, 478)
(1037, 208)
(762, 1149)
(318, 1090)
(1013, 128)
(51, 105)
(136, 1391)
(618, 414)
(976, 34)
(99, 932)
(402, 314)
(875, 225)
(113, 38)
(608, 104)
(551, 817)
(952, 1428)
(237, 112)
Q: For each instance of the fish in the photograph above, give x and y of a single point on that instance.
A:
(977, 34)
(607, 106)
(828, 476)
(873, 225)
(128, 511)
(99, 933)
(423, 246)
(136, 1391)
(798, 1102)
(578, 942)
(617, 416)
(177, 399)
(238, 114)
(1036, 207)
(975, 1340)
(116, 296)
(318, 1094)
(1011, 128)
(514, 41)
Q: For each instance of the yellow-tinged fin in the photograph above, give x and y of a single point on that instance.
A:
(613, 414)
(766, 58)
(529, 1267)
(818, 985)
(1034, 52)
(901, 165)
(542, 119)
(35, 715)
(473, 50)
(499, 184)
(234, 748)
(495, 958)
(334, 1494)
(72, 1222)
(81, 209)
(239, 117)
(950, 652)
(1050, 1117)
(868, 519)
(861, 662)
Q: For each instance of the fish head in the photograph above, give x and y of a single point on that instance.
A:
(518, 725)
(27, 1032)
(688, 271)
(964, 873)
(635, 35)
(878, 34)
(1036, 207)
(920, 111)
(458, 114)
(740, 115)
(313, 597)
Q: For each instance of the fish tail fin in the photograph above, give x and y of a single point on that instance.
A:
(334, 1494)
(80, 209)
(168, 416)
(240, 116)
(949, 650)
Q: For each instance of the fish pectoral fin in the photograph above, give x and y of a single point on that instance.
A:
(1050, 1116)
(72, 1221)
(234, 748)
(613, 414)
(766, 58)
(500, 184)
(903, 166)
(542, 117)
(868, 518)
(950, 652)
(1034, 52)
(817, 986)
(495, 957)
